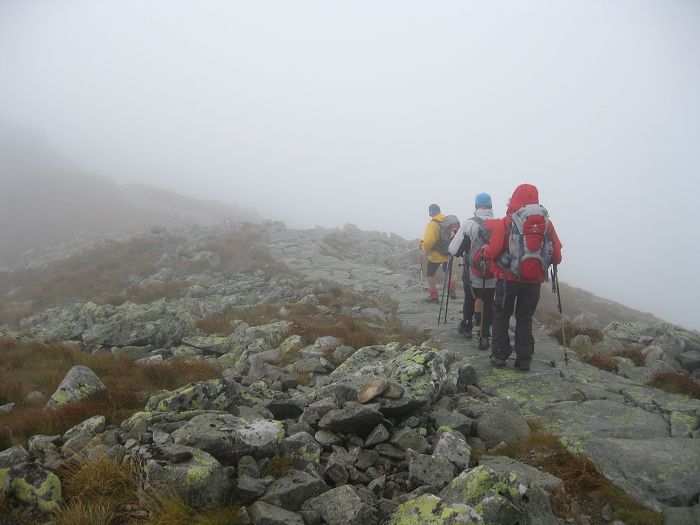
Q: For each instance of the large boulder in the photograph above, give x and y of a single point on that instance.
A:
(33, 486)
(213, 394)
(195, 475)
(503, 423)
(431, 510)
(502, 496)
(228, 437)
(79, 383)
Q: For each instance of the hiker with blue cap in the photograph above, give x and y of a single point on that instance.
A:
(479, 282)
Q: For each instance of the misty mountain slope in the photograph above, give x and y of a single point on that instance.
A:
(297, 323)
(46, 200)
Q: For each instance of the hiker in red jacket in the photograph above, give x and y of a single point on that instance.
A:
(522, 246)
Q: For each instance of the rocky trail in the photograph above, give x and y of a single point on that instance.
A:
(385, 433)
(641, 438)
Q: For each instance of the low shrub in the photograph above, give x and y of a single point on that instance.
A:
(633, 353)
(572, 330)
(676, 382)
(600, 360)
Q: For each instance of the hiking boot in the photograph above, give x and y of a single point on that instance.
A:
(522, 365)
(483, 343)
(497, 361)
(465, 330)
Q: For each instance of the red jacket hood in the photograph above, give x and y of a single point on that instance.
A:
(523, 194)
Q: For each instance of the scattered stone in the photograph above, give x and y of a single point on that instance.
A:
(265, 514)
(13, 456)
(292, 490)
(343, 506)
(31, 485)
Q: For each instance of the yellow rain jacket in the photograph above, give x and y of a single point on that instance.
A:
(431, 238)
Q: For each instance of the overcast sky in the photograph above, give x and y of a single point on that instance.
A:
(328, 112)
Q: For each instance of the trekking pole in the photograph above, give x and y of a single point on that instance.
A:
(421, 281)
(555, 286)
(449, 284)
(483, 302)
(442, 298)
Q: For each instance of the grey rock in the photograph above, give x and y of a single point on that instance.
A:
(79, 383)
(248, 488)
(6, 409)
(13, 456)
(265, 514)
(452, 420)
(587, 320)
(292, 490)
(200, 479)
(379, 435)
(343, 505)
(33, 486)
(228, 437)
(248, 466)
(429, 508)
(504, 466)
(504, 423)
(353, 417)
(35, 397)
(408, 438)
(426, 470)
(453, 446)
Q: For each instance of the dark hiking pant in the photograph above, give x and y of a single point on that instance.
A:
(468, 310)
(521, 298)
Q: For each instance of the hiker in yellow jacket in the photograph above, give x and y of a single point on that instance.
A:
(430, 245)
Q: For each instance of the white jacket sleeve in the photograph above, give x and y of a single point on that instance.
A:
(457, 239)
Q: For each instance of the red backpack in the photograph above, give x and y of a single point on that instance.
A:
(529, 244)
(476, 261)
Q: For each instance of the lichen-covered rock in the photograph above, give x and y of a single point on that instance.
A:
(33, 486)
(197, 476)
(214, 394)
(228, 437)
(79, 383)
(431, 510)
(501, 498)
(77, 437)
(343, 506)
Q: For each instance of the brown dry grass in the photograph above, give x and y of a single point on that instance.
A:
(676, 382)
(104, 273)
(583, 482)
(311, 323)
(279, 466)
(633, 353)
(144, 293)
(106, 492)
(572, 330)
(600, 360)
(38, 366)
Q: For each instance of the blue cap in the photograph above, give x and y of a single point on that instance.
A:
(483, 199)
(433, 209)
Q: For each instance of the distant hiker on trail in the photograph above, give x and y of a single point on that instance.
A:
(436, 240)
(478, 280)
(523, 245)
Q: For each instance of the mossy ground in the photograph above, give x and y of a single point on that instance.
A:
(587, 491)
